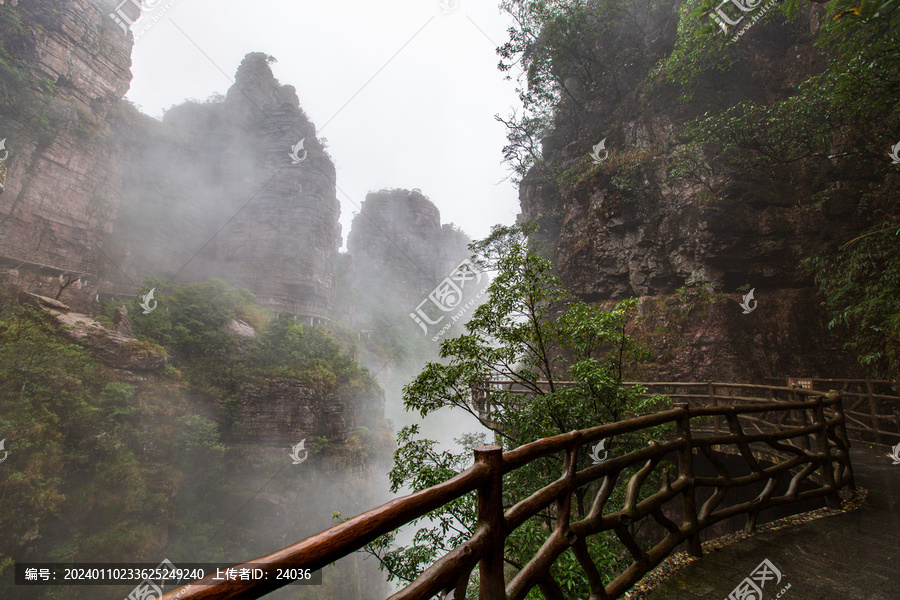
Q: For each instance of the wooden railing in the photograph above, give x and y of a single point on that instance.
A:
(871, 406)
(119, 290)
(42, 260)
(872, 412)
(806, 437)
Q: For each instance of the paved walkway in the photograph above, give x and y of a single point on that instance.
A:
(852, 556)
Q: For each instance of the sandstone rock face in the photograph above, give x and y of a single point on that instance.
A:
(105, 196)
(114, 349)
(214, 192)
(123, 325)
(282, 412)
(628, 228)
(703, 336)
(62, 188)
(241, 330)
(399, 252)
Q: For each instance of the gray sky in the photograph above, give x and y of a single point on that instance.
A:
(425, 120)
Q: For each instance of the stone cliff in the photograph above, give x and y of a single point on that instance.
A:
(303, 413)
(213, 192)
(626, 225)
(102, 196)
(98, 197)
(398, 252)
(69, 67)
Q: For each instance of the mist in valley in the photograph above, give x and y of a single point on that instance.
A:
(232, 234)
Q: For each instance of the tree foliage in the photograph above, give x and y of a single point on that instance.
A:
(860, 285)
(570, 356)
(576, 61)
(91, 461)
(192, 323)
(100, 469)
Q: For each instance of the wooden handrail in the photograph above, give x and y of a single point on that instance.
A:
(826, 380)
(342, 539)
(816, 448)
(25, 254)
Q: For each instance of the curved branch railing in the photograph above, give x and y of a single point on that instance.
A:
(807, 436)
(872, 416)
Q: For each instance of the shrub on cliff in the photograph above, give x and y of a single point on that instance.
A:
(92, 461)
(286, 348)
(191, 323)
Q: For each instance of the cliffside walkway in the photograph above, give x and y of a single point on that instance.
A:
(851, 556)
(20, 253)
(724, 455)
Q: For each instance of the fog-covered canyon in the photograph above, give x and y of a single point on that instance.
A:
(188, 297)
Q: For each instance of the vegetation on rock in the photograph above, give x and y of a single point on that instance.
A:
(102, 467)
(810, 145)
(570, 355)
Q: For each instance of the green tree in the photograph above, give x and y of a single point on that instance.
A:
(861, 285)
(579, 59)
(287, 348)
(570, 359)
(191, 320)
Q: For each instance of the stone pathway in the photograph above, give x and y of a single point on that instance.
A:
(852, 556)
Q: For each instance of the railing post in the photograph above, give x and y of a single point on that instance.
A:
(842, 433)
(713, 401)
(804, 418)
(826, 470)
(873, 411)
(492, 585)
(686, 470)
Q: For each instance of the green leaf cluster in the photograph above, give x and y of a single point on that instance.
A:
(568, 356)
(861, 285)
(192, 323)
(92, 461)
(578, 60)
